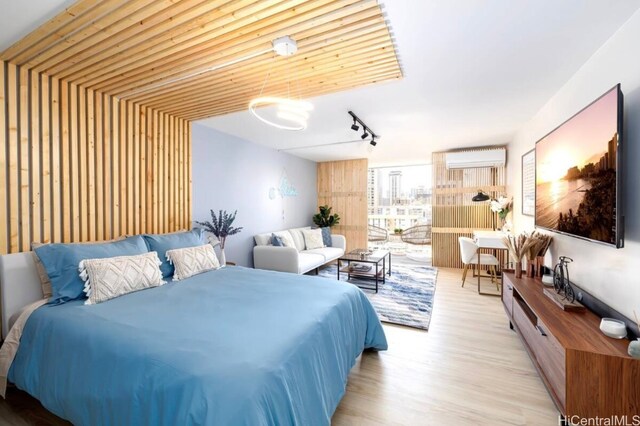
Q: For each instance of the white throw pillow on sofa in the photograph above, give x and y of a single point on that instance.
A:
(313, 238)
(286, 239)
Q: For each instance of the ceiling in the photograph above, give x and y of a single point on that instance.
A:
(160, 52)
(474, 73)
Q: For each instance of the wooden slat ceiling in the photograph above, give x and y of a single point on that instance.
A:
(148, 51)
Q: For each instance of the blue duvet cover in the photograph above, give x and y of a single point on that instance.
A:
(234, 346)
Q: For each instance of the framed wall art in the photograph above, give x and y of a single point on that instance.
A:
(529, 183)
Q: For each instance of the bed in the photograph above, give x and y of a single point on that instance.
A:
(234, 346)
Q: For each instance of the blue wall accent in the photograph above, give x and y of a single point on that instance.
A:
(230, 173)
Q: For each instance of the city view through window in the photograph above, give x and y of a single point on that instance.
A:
(399, 205)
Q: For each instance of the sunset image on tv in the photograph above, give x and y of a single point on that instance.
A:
(576, 173)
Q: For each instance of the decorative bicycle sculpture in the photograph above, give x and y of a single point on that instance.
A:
(561, 282)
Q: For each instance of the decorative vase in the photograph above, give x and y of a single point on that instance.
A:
(519, 269)
(539, 266)
(634, 349)
(222, 258)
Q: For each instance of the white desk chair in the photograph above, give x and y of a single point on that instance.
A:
(469, 255)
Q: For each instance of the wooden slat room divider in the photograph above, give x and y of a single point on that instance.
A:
(343, 186)
(454, 214)
(79, 165)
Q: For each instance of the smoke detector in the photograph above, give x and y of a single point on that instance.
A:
(285, 46)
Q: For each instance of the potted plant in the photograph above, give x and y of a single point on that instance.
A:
(397, 231)
(221, 226)
(325, 218)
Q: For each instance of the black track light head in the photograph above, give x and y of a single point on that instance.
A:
(354, 126)
(373, 142)
(365, 135)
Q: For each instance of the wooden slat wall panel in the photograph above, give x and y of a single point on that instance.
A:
(343, 186)
(80, 165)
(454, 214)
(4, 224)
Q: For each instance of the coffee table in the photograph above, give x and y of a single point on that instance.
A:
(380, 261)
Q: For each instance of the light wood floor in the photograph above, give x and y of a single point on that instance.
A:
(468, 369)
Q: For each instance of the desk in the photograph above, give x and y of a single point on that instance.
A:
(488, 240)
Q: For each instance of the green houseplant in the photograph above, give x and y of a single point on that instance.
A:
(325, 218)
(221, 225)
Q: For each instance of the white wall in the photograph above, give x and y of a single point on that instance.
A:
(612, 275)
(230, 173)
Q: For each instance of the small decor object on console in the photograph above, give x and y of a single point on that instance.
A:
(220, 226)
(634, 346)
(563, 294)
(561, 282)
(518, 247)
(613, 328)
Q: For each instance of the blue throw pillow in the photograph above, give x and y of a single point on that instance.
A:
(276, 241)
(326, 236)
(61, 262)
(161, 243)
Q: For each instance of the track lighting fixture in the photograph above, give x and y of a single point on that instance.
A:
(366, 131)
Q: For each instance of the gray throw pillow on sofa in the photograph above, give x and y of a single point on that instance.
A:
(326, 236)
(276, 241)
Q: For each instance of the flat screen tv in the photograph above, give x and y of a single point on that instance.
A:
(578, 174)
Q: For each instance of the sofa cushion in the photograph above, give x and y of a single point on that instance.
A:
(263, 239)
(298, 238)
(287, 241)
(326, 236)
(276, 241)
(309, 261)
(329, 253)
(313, 239)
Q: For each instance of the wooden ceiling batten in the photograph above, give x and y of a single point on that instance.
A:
(154, 50)
(308, 56)
(221, 49)
(149, 51)
(155, 38)
(245, 73)
(243, 94)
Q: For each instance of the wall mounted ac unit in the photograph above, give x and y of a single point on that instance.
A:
(472, 159)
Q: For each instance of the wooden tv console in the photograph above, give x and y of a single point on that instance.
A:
(587, 374)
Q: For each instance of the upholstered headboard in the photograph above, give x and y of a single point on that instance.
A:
(19, 286)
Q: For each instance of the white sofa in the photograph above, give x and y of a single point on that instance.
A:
(298, 259)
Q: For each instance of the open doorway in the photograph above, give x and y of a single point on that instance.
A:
(399, 208)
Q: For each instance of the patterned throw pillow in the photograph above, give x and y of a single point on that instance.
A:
(192, 261)
(313, 238)
(111, 277)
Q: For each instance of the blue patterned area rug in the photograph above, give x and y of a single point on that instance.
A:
(406, 298)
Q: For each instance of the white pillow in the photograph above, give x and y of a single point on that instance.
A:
(286, 239)
(313, 238)
(111, 277)
(191, 261)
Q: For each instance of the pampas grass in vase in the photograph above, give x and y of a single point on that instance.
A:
(518, 247)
